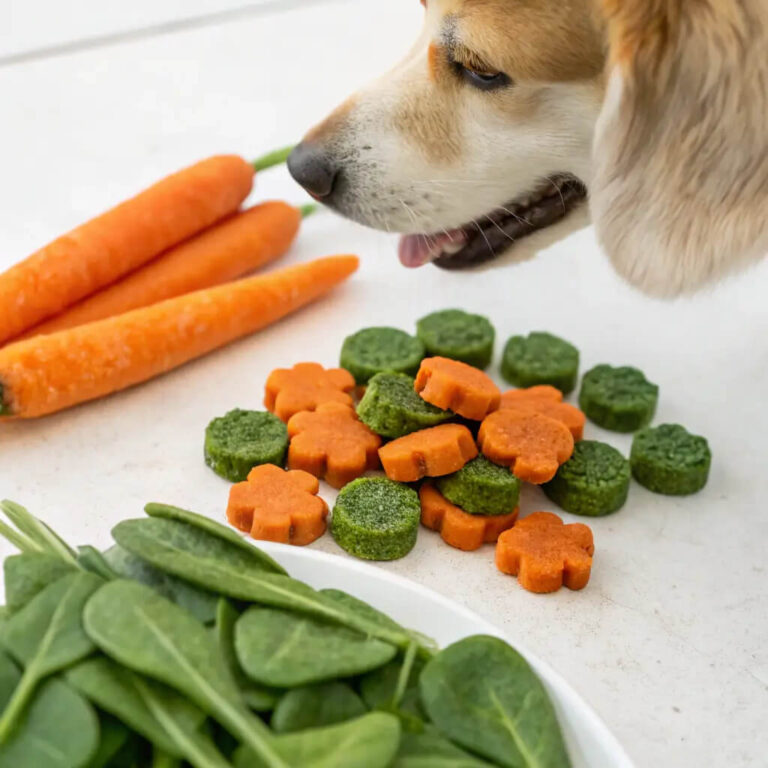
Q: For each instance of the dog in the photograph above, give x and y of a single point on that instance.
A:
(508, 114)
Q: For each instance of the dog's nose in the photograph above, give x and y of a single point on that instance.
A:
(311, 167)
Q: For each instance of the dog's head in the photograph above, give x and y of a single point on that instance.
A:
(485, 132)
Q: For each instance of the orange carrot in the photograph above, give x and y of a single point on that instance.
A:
(49, 373)
(104, 249)
(231, 249)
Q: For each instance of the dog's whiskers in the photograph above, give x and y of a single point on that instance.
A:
(496, 224)
(487, 241)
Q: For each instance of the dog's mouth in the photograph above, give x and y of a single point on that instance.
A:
(493, 234)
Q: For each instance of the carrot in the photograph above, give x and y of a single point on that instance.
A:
(48, 373)
(236, 246)
(428, 453)
(105, 248)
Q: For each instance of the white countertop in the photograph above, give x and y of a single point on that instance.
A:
(669, 642)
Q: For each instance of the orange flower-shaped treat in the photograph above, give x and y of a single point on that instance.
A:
(458, 387)
(428, 453)
(531, 444)
(457, 527)
(304, 387)
(332, 443)
(547, 401)
(275, 505)
(544, 554)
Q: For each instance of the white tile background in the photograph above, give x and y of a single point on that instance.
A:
(669, 642)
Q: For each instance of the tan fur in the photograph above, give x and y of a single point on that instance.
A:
(660, 106)
(680, 191)
(534, 40)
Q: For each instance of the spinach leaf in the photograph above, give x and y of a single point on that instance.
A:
(9, 679)
(162, 760)
(29, 573)
(431, 750)
(113, 736)
(46, 635)
(380, 687)
(112, 688)
(218, 530)
(285, 650)
(373, 617)
(196, 747)
(482, 694)
(153, 636)
(134, 754)
(46, 539)
(368, 612)
(258, 698)
(204, 561)
(90, 559)
(371, 741)
(315, 706)
(201, 603)
(60, 730)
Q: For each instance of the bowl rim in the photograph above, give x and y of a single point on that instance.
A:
(571, 699)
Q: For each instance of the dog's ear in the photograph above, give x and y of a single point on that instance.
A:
(680, 191)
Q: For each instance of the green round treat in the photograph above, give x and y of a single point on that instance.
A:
(540, 358)
(619, 399)
(481, 487)
(593, 482)
(457, 334)
(376, 519)
(239, 441)
(391, 407)
(670, 460)
(375, 350)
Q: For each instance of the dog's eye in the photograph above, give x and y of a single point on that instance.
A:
(484, 81)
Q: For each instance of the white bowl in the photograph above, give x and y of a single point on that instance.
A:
(590, 743)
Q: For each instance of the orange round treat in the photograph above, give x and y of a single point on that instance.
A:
(458, 387)
(305, 386)
(545, 554)
(547, 401)
(332, 443)
(457, 527)
(275, 505)
(428, 453)
(533, 445)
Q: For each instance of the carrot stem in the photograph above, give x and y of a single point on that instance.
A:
(308, 209)
(277, 157)
(4, 409)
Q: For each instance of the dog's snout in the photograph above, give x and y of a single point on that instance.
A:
(311, 167)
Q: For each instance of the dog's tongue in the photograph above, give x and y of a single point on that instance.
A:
(417, 250)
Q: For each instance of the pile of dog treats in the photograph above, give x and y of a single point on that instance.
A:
(454, 449)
